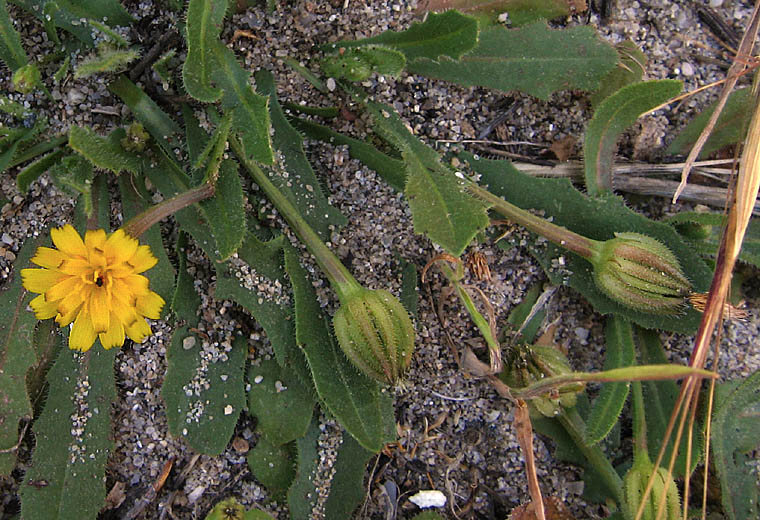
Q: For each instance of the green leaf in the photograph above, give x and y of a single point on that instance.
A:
(704, 231)
(134, 200)
(185, 301)
(209, 60)
(303, 493)
(106, 60)
(441, 208)
(347, 487)
(660, 398)
(292, 174)
(16, 358)
(522, 311)
(203, 25)
(11, 51)
(520, 11)
(448, 34)
(362, 407)
(734, 439)
(606, 408)
(103, 152)
(68, 14)
(596, 218)
(614, 115)
(274, 464)
(389, 168)
(230, 509)
(359, 63)
(47, 345)
(30, 173)
(533, 59)
(256, 279)
(630, 70)
(409, 294)
(228, 209)
(203, 390)
(280, 402)
(730, 128)
(158, 124)
(66, 479)
(74, 175)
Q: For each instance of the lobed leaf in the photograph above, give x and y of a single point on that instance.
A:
(74, 175)
(441, 208)
(203, 390)
(361, 406)
(596, 218)
(533, 59)
(66, 480)
(606, 408)
(103, 152)
(448, 34)
(16, 358)
(734, 441)
(616, 113)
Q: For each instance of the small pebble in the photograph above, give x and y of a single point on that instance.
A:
(188, 342)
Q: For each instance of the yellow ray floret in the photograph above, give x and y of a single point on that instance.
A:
(95, 284)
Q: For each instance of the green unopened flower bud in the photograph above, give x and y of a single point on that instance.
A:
(536, 363)
(640, 272)
(26, 78)
(635, 483)
(136, 138)
(375, 332)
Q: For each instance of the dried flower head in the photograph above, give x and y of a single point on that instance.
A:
(94, 283)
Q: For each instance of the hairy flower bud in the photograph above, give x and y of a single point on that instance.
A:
(536, 363)
(375, 332)
(26, 78)
(635, 483)
(640, 272)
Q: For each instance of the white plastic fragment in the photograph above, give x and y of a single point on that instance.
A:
(428, 498)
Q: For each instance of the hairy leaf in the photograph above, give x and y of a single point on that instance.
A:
(359, 63)
(448, 34)
(303, 493)
(520, 11)
(735, 434)
(596, 218)
(11, 51)
(104, 152)
(203, 390)
(30, 173)
(160, 126)
(606, 408)
(614, 115)
(274, 464)
(441, 209)
(67, 477)
(533, 59)
(346, 489)
(204, 23)
(362, 407)
(106, 60)
(630, 70)
(730, 128)
(185, 301)
(16, 358)
(74, 175)
(280, 402)
(292, 174)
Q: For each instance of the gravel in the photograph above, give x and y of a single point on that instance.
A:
(472, 454)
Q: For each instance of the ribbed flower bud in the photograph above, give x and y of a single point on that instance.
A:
(375, 332)
(635, 483)
(640, 272)
(536, 363)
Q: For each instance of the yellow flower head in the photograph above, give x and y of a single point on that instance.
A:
(95, 284)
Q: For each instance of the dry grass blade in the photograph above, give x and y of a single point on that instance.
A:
(525, 438)
(738, 67)
(747, 185)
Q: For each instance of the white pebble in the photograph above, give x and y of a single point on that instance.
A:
(188, 342)
(195, 494)
(228, 409)
(687, 69)
(428, 498)
(258, 379)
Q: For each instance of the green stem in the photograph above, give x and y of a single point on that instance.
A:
(639, 423)
(341, 279)
(563, 237)
(574, 425)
